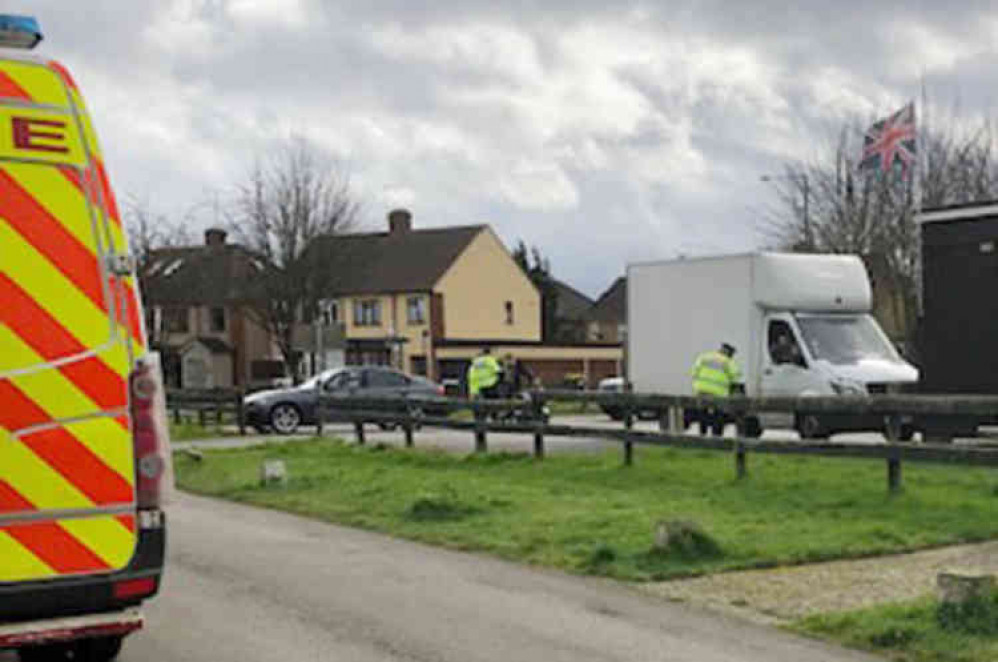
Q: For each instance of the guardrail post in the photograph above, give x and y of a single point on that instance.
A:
(481, 420)
(202, 419)
(893, 430)
(741, 470)
(407, 426)
(241, 417)
(176, 415)
(628, 425)
(358, 427)
(320, 415)
(537, 407)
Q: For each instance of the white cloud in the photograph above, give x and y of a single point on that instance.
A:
(538, 186)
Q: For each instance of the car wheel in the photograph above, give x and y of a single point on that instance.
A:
(285, 418)
(809, 427)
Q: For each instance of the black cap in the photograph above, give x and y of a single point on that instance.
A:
(728, 347)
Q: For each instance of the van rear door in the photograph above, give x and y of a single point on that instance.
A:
(68, 337)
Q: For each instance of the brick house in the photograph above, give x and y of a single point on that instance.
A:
(427, 300)
(197, 317)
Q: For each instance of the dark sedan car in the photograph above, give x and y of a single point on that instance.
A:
(285, 410)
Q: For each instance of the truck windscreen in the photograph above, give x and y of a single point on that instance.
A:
(845, 339)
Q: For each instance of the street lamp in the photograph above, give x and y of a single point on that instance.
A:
(805, 185)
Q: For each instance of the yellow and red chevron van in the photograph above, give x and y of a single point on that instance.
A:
(84, 452)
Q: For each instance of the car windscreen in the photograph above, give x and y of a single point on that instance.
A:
(845, 339)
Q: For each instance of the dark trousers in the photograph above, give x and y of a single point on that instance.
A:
(710, 419)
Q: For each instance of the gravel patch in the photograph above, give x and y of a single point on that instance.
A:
(785, 594)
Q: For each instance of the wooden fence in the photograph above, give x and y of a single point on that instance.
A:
(525, 416)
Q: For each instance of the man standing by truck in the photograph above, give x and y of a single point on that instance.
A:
(715, 374)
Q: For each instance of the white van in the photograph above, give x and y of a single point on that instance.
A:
(800, 324)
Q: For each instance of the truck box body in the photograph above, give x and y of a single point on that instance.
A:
(678, 309)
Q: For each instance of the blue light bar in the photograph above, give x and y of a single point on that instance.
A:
(19, 31)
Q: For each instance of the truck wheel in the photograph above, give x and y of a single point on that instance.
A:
(752, 428)
(809, 427)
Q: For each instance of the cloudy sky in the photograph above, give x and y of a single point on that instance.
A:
(604, 132)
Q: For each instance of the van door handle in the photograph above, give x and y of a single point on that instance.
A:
(767, 371)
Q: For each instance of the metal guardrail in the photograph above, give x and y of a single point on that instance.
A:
(207, 402)
(412, 413)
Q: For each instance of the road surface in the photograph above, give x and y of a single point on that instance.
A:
(244, 585)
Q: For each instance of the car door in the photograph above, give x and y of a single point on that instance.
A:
(342, 384)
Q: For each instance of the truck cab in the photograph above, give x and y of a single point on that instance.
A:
(84, 452)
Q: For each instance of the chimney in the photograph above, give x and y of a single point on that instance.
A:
(215, 237)
(399, 221)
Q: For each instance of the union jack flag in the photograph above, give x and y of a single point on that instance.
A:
(890, 143)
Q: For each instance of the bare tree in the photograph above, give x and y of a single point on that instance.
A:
(873, 215)
(149, 230)
(286, 202)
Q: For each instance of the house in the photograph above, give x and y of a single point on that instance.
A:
(572, 311)
(608, 317)
(428, 300)
(198, 319)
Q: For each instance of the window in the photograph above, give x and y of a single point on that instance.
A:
(416, 307)
(330, 311)
(344, 380)
(367, 312)
(217, 320)
(509, 312)
(783, 347)
(385, 379)
(845, 339)
(175, 319)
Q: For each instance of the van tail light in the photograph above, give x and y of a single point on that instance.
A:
(150, 434)
(127, 589)
(441, 391)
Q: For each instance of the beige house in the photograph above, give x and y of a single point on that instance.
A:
(197, 319)
(427, 300)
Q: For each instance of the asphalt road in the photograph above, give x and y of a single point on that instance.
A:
(246, 584)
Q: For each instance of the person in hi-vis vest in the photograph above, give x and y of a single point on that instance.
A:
(715, 374)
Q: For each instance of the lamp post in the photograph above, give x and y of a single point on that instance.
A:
(806, 189)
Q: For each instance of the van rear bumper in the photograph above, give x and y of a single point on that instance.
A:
(49, 631)
(87, 594)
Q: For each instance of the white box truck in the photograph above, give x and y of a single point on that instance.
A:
(800, 324)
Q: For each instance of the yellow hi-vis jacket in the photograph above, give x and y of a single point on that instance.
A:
(483, 373)
(715, 374)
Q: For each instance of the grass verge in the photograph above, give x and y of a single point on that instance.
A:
(589, 514)
(194, 432)
(909, 632)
